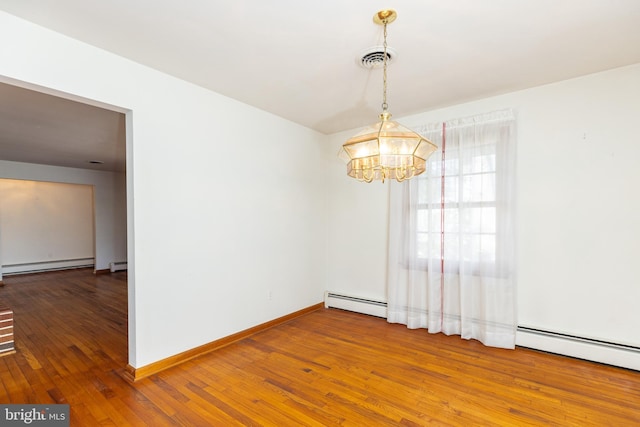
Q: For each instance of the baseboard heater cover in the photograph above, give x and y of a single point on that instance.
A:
(117, 266)
(50, 265)
(621, 355)
(625, 356)
(356, 304)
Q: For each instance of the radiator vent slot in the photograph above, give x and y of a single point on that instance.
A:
(356, 304)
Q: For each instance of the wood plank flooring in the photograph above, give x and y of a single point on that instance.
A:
(329, 367)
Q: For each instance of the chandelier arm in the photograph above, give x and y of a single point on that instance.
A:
(401, 174)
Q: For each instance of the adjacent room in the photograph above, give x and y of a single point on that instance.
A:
(190, 233)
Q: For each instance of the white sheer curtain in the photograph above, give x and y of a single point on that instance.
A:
(452, 235)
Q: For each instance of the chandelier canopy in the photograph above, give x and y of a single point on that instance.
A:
(386, 150)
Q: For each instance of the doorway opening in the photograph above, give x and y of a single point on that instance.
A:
(59, 141)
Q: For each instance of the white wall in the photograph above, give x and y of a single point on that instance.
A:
(222, 214)
(578, 227)
(358, 230)
(45, 225)
(109, 203)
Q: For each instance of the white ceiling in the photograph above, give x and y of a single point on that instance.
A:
(45, 129)
(297, 59)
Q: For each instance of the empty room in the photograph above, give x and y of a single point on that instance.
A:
(319, 213)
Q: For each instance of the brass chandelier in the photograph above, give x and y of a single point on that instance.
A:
(386, 150)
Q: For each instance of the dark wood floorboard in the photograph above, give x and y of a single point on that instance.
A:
(329, 367)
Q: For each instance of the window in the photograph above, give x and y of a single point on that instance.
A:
(466, 211)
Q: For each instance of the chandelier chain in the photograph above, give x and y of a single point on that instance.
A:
(384, 72)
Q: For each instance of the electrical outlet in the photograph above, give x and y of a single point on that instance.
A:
(269, 295)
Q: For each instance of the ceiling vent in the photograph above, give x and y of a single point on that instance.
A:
(374, 57)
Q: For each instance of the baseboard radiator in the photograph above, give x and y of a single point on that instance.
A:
(359, 305)
(625, 356)
(117, 266)
(49, 265)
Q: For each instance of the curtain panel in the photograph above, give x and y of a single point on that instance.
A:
(452, 234)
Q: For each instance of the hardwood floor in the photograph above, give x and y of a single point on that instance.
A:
(329, 367)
